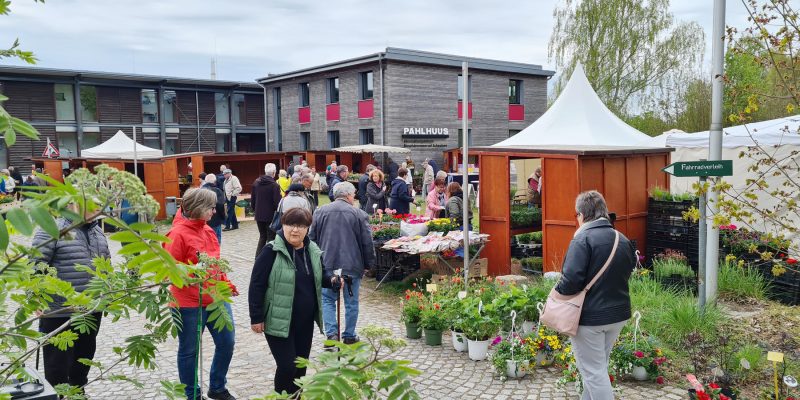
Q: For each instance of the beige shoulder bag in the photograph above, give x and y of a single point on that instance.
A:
(563, 313)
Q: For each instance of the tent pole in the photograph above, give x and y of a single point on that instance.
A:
(135, 155)
(465, 171)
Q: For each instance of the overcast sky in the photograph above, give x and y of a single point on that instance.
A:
(252, 38)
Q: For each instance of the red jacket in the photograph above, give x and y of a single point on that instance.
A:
(190, 236)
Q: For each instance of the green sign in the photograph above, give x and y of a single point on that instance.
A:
(700, 168)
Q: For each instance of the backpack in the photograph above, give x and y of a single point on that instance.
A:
(275, 225)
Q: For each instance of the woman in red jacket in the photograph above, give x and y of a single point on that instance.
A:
(191, 236)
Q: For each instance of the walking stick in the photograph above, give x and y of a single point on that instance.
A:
(338, 274)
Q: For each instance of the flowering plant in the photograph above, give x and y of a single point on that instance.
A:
(414, 219)
(441, 225)
(712, 392)
(413, 305)
(433, 317)
(512, 348)
(547, 343)
(644, 353)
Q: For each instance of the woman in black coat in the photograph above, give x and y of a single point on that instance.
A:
(376, 192)
(400, 197)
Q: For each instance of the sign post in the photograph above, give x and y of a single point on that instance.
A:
(702, 169)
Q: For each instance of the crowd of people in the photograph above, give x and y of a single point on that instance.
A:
(305, 257)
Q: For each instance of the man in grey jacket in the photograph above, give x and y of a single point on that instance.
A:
(64, 254)
(342, 232)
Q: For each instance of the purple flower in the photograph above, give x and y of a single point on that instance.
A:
(497, 340)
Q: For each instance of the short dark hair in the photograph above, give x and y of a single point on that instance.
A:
(402, 172)
(591, 205)
(438, 182)
(297, 216)
(202, 176)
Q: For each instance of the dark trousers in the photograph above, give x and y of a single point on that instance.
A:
(315, 194)
(63, 366)
(265, 235)
(286, 350)
(230, 220)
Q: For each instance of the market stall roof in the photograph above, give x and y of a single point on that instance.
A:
(120, 146)
(775, 132)
(579, 118)
(371, 148)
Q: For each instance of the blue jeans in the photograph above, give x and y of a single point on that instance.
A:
(188, 346)
(218, 230)
(329, 298)
(230, 218)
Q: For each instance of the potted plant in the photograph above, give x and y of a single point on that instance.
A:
(412, 313)
(480, 327)
(671, 269)
(433, 321)
(547, 345)
(511, 356)
(640, 359)
(454, 312)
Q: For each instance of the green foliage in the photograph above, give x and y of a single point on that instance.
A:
(741, 282)
(525, 238)
(389, 232)
(683, 317)
(532, 263)
(357, 371)
(524, 217)
(661, 194)
(665, 268)
(537, 237)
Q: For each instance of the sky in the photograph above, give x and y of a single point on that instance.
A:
(251, 38)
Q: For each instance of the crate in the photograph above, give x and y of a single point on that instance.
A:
(786, 293)
(405, 264)
(679, 283)
(670, 208)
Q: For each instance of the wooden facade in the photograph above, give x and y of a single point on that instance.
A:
(622, 175)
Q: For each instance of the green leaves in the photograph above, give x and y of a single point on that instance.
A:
(45, 221)
(20, 221)
(64, 340)
(142, 351)
(173, 390)
(3, 234)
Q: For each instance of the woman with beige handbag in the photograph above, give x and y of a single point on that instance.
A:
(591, 302)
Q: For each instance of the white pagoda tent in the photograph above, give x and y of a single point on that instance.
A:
(578, 118)
(120, 146)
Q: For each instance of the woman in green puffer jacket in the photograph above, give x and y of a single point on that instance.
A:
(285, 295)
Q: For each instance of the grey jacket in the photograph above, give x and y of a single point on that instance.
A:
(65, 253)
(343, 233)
(608, 301)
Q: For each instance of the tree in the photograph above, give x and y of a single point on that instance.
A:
(9, 125)
(627, 47)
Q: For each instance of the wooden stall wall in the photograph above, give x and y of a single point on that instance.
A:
(154, 180)
(560, 186)
(495, 212)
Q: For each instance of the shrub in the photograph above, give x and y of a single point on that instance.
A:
(537, 237)
(532, 263)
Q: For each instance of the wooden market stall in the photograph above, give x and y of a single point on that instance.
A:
(623, 175)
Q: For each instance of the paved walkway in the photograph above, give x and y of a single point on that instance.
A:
(446, 374)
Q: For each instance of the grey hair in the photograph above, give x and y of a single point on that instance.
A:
(343, 189)
(211, 178)
(282, 173)
(269, 169)
(196, 200)
(298, 168)
(441, 175)
(591, 205)
(370, 167)
(306, 177)
(342, 168)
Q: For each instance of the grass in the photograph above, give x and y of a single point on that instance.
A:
(737, 283)
(666, 267)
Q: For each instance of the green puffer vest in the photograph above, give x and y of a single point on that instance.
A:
(280, 291)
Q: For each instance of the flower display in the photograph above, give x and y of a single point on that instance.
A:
(511, 348)
(442, 225)
(413, 305)
(643, 352)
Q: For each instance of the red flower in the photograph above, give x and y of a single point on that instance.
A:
(611, 378)
(437, 306)
(414, 284)
(408, 297)
(638, 354)
(703, 396)
(660, 380)
(723, 397)
(791, 261)
(713, 385)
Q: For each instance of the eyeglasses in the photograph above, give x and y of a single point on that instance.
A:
(296, 227)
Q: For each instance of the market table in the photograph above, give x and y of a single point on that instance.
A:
(434, 243)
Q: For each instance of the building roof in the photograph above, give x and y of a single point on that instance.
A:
(116, 76)
(420, 57)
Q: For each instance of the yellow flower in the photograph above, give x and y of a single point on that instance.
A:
(730, 258)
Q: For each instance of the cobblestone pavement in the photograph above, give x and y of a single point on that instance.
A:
(446, 374)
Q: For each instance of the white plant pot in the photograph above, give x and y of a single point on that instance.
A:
(543, 360)
(516, 369)
(639, 373)
(527, 327)
(478, 349)
(459, 341)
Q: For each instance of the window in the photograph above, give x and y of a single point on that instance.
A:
(461, 88)
(461, 137)
(512, 132)
(90, 139)
(223, 142)
(67, 144)
(173, 144)
(149, 106)
(366, 136)
(239, 111)
(276, 96)
(222, 109)
(89, 103)
(305, 94)
(305, 140)
(514, 91)
(152, 141)
(365, 85)
(333, 139)
(65, 102)
(333, 90)
(171, 110)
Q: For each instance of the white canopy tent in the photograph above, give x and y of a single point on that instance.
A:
(372, 148)
(120, 146)
(578, 118)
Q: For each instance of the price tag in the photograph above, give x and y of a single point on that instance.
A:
(462, 295)
(431, 287)
(775, 356)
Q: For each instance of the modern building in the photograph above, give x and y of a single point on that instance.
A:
(405, 98)
(80, 109)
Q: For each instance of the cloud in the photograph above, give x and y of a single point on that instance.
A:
(251, 38)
